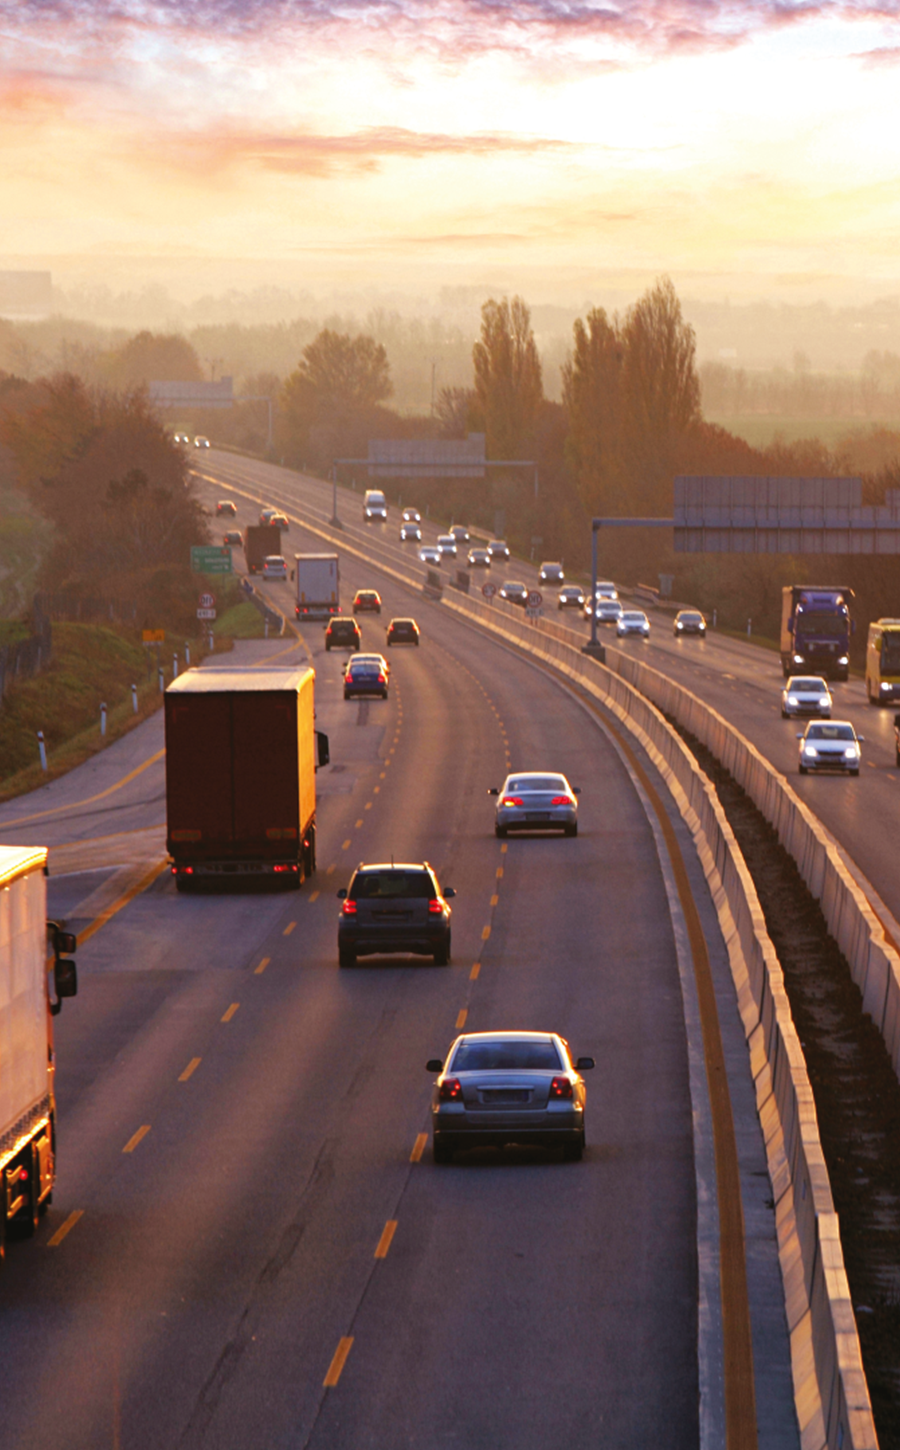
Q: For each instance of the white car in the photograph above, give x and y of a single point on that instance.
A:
(605, 589)
(551, 574)
(606, 611)
(410, 534)
(633, 621)
(447, 545)
(571, 597)
(806, 695)
(830, 745)
(430, 554)
(201, 441)
(274, 567)
(411, 516)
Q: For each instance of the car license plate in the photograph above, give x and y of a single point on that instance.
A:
(538, 816)
(505, 1095)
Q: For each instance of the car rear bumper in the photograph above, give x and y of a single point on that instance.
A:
(554, 820)
(372, 941)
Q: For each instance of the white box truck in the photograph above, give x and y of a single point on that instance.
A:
(318, 579)
(34, 977)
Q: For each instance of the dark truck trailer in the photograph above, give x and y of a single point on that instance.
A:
(815, 630)
(241, 758)
(260, 540)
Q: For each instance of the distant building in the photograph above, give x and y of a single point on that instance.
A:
(25, 294)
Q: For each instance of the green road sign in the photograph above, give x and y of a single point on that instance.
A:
(210, 559)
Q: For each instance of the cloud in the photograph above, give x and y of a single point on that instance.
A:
(360, 151)
(461, 26)
(886, 56)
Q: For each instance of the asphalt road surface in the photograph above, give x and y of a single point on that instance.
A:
(246, 1205)
(223, 1255)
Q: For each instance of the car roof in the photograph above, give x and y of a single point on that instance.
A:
(535, 774)
(507, 1036)
(394, 866)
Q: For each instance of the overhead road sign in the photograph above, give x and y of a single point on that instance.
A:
(210, 559)
(733, 514)
(426, 457)
(192, 395)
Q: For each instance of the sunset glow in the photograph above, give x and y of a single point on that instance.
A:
(654, 133)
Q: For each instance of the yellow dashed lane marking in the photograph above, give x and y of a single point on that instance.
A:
(66, 1227)
(485, 933)
(473, 975)
(190, 1069)
(138, 1137)
(503, 849)
(227, 1016)
(330, 869)
(384, 1242)
(368, 805)
(418, 1147)
(499, 873)
(337, 1364)
(262, 966)
(346, 846)
(358, 824)
(313, 897)
(494, 900)
(461, 1019)
(289, 928)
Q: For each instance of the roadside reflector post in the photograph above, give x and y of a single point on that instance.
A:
(714, 618)
(749, 627)
(266, 628)
(103, 719)
(187, 654)
(134, 698)
(162, 680)
(212, 642)
(174, 667)
(43, 749)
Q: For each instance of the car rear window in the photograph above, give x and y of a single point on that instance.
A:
(536, 782)
(390, 884)
(506, 1056)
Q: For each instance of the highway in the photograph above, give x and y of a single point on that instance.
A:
(742, 681)
(246, 1205)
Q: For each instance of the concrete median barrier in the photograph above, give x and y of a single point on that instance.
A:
(830, 1391)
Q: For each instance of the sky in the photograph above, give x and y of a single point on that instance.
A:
(444, 139)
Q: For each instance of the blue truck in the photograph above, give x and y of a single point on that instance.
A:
(815, 630)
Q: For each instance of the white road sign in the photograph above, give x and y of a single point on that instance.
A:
(207, 601)
(535, 599)
(206, 614)
(489, 590)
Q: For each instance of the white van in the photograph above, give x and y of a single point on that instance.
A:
(374, 506)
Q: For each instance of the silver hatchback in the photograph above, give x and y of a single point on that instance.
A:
(531, 801)
(508, 1087)
(806, 695)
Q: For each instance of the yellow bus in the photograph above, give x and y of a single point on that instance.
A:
(883, 662)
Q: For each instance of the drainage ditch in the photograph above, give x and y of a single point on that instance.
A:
(857, 1094)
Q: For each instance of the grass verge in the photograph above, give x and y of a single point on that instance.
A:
(90, 664)
(242, 621)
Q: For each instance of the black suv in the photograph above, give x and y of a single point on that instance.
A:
(342, 632)
(394, 909)
(403, 631)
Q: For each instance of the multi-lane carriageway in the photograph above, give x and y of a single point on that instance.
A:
(249, 1244)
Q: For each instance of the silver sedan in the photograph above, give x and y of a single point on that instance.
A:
(633, 621)
(806, 695)
(530, 801)
(508, 1087)
(830, 745)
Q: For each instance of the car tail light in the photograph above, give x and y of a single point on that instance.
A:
(560, 800)
(560, 1087)
(349, 908)
(381, 679)
(450, 1090)
(436, 906)
(511, 800)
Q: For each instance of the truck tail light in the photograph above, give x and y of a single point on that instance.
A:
(288, 866)
(349, 908)
(182, 870)
(511, 800)
(560, 1087)
(450, 1090)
